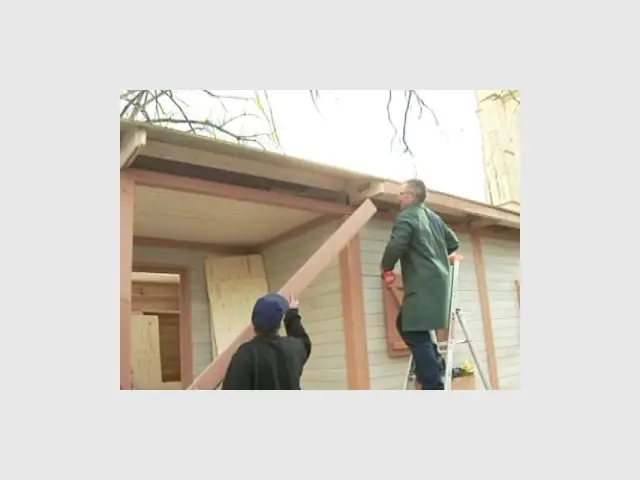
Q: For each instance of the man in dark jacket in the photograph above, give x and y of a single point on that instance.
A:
(423, 243)
(269, 361)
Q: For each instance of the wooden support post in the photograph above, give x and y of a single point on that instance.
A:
(485, 309)
(212, 375)
(355, 329)
(127, 191)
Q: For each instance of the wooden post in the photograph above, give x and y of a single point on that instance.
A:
(485, 309)
(213, 374)
(355, 329)
(127, 192)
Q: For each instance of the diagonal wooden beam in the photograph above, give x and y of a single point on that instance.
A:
(130, 147)
(212, 375)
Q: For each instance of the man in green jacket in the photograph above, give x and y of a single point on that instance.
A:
(423, 243)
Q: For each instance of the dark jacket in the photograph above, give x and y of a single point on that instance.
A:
(271, 362)
(422, 242)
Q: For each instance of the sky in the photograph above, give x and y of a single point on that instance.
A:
(351, 129)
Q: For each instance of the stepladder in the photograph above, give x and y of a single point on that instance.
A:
(446, 346)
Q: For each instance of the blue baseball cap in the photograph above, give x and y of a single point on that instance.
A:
(269, 311)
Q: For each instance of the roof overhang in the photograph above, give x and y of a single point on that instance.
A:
(206, 154)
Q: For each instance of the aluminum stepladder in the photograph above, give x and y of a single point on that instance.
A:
(455, 315)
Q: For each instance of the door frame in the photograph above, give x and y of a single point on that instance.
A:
(185, 322)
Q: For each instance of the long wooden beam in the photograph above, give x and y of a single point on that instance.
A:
(485, 309)
(127, 191)
(212, 375)
(216, 189)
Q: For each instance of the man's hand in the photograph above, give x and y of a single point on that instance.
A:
(293, 302)
(455, 257)
(389, 277)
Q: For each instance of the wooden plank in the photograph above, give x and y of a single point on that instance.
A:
(127, 190)
(145, 349)
(485, 308)
(518, 291)
(169, 332)
(214, 373)
(233, 285)
(355, 328)
(186, 345)
(155, 304)
(130, 147)
(216, 189)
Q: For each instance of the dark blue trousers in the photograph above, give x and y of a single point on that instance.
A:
(426, 357)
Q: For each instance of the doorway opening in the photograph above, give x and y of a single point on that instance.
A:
(160, 336)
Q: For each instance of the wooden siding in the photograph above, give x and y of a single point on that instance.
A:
(502, 266)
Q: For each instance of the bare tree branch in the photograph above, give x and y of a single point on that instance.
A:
(412, 98)
(169, 108)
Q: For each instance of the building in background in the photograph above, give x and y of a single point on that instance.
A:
(499, 116)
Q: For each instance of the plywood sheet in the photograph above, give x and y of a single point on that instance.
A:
(145, 346)
(233, 284)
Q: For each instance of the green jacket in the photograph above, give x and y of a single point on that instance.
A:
(422, 242)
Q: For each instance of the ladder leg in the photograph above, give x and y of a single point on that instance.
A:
(453, 287)
(486, 384)
(407, 377)
(448, 366)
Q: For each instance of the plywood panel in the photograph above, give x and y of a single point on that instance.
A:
(233, 284)
(145, 352)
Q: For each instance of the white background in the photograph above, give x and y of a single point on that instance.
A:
(62, 412)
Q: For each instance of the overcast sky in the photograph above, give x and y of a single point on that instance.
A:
(353, 131)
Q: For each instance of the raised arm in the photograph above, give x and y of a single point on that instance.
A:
(294, 328)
